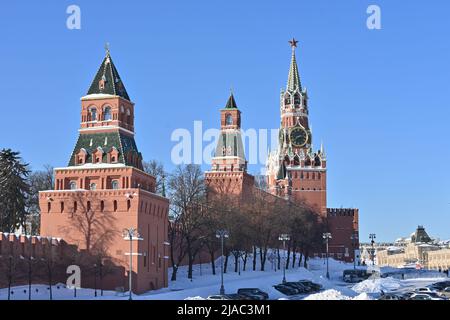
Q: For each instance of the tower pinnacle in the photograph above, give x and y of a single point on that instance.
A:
(293, 78)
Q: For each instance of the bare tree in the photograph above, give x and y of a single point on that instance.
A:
(156, 169)
(187, 195)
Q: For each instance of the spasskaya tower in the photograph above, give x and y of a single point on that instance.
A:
(295, 171)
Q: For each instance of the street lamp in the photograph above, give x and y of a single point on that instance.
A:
(372, 237)
(221, 234)
(284, 237)
(50, 265)
(327, 236)
(95, 280)
(101, 277)
(130, 235)
(354, 239)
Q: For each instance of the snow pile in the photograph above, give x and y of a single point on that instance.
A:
(377, 285)
(363, 296)
(331, 294)
(195, 298)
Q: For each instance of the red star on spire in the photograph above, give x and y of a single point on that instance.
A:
(293, 43)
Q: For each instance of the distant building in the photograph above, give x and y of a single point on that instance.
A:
(420, 250)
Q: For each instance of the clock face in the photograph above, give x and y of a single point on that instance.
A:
(299, 137)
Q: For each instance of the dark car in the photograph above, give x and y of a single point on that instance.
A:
(391, 296)
(287, 290)
(407, 295)
(237, 296)
(312, 285)
(300, 287)
(254, 293)
(440, 285)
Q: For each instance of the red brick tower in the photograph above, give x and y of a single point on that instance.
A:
(298, 173)
(104, 189)
(228, 174)
(295, 171)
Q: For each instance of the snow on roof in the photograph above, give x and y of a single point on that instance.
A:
(97, 96)
(393, 248)
(94, 166)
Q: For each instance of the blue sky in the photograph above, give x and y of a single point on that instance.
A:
(378, 98)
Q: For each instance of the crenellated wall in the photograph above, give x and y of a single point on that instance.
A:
(343, 224)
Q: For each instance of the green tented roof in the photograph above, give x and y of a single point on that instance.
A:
(107, 140)
(112, 82)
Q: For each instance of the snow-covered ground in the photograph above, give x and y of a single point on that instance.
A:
(204, 284)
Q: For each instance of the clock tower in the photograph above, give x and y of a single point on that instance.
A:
(295, 171)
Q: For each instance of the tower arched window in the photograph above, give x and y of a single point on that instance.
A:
(93, 186)
(297, 99)
(115, 184)
(72, 185)
(287, 98)
(229, 120)
(107, 114)
(128, 116)
(122, 113)
(92, 114)
(317, 161)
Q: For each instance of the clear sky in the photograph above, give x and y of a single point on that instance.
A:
(379, 99)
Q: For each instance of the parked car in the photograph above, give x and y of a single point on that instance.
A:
(446, 292)
(407, 295)
(419, 296)
(355, 275)
(254, 293)
(287, 290)
(391, 296)
(314, 286)
(440, 285)
(423, 290)
(237, 296)
(426, 296)
(300, 287)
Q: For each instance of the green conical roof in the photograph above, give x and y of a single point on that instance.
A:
(293, 77)
(112, 83)
(231, 103)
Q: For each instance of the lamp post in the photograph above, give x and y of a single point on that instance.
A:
(354, 239)
(372, 237)
(30, 275)
(327, 236)
(10, 276)
(130, 235)
(50, 265)
(95, 280)
(101, 277)
(222, 234)
(284, 237)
